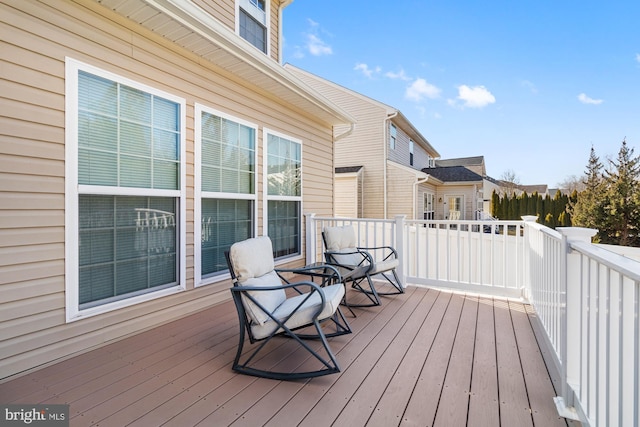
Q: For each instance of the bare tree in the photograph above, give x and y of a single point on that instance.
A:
(509, 182)
(571, 183)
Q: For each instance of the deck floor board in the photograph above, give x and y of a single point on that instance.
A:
(426, 357)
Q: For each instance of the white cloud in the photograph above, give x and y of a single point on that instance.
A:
(474, 97)
(317, 47)
(364, 69)
(637, 57)
(400, 75)
(529, 85)
(420, 89)
(586, 100)
(314, 44)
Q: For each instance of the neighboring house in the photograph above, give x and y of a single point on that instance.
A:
(140, 138)
(466, 189)
(378, 162)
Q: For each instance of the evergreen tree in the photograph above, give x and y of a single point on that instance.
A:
(495, 205)
(622, 207)
(588, 209)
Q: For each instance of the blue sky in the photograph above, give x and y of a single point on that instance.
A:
(531, 85)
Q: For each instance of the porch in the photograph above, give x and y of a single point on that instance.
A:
(426, 357)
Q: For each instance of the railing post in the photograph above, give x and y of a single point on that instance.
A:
(572, 328)
(399, 246)
(311, 237)
(527, 256)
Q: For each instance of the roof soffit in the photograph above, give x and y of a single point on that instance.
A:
(190, 27)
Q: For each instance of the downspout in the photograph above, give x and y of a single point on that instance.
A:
(281, 7)
(386, 156)
(345, 133)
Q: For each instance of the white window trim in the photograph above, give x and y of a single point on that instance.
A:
(198, 193)
(73, 190)
(266, 197)
(393, 139)
(266, 23)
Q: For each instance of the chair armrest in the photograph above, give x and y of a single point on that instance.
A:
(392, 253)
(367, 259)
(324, 271)
(239, 290)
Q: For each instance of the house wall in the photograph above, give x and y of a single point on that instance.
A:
(364, 146)
(401, 153)
(36, 38)
(401, 198)
(224, 11)
(347, 196)
(469, 193)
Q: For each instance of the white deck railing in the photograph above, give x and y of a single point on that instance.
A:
(586, 298)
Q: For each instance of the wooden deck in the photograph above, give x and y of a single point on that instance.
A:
(423, 358)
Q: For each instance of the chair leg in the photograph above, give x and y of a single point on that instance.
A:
(330, 364)
(370, 293)
(395, 282)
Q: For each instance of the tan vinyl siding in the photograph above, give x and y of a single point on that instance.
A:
(347, 196)
(274, 33)
(223, 10)
(365, 146)
(36, 40)
(401, 196)
(466, 190)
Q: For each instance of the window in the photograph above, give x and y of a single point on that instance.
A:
(283, 193)
(393, 134)
(411, 152)
(428, 206)
(125, 191)
(225, 188)
(252, 22)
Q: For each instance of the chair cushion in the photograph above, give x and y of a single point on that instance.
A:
(270, 300)
(252, 258)
(341, 237)
(351, 257)
(333, 295)
(387, 265)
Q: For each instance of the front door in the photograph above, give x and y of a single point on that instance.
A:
(453, 207)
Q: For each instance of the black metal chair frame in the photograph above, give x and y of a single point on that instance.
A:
(329, 362)
(363, 270)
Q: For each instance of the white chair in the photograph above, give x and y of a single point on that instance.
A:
(266, 311)
(362, 263)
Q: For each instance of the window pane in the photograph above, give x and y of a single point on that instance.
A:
(135, 139)
(97, 167)
(165, 115)
(252, 31)
(135, 172)
(127, 245)
(225, 166)
(121, 130)
(224, 222)
(97, 94)
(284, 227)
(135, 105)
(283, 170)
(165, 175)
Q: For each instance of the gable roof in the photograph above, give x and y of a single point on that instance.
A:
(348, 169)
(186, 24)
(461, 161)
(393, 113)
(453, 174)
(475, 163)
